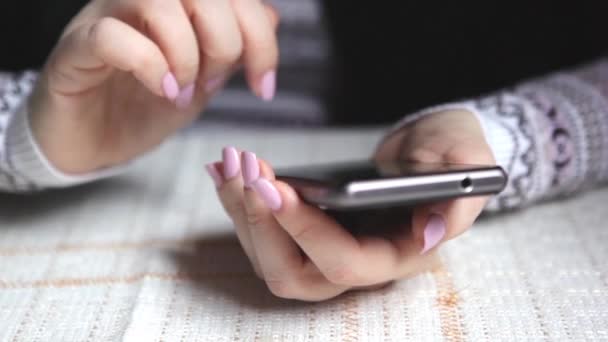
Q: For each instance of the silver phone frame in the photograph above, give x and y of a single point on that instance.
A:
(406, 190)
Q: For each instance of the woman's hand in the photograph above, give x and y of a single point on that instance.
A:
(126, 74)
(302, 253)
(446, 137)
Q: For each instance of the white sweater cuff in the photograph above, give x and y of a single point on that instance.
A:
(26, 158)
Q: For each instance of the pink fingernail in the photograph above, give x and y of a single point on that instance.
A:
(214, 174)
(251, 168)
(269, 194)
(184, 99)
(214, 84)
(433, 232)
(230, 157)
(268, 85)
(170, 86)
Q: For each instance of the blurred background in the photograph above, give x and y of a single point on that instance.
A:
(362, 62)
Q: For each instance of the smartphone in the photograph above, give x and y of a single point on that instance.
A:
(369, 184)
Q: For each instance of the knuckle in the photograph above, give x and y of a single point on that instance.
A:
(422, 154)
(302, 232)
(188, 68)
(282, 289)
(344, 275)
(254, 220)
(99, 33)
(143, 58)
(235, 208)
(148, 8)
(226, 53)
(460, 156)
(473, 154)
(265, 44)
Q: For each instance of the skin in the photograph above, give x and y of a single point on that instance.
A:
(100, 100)
(301, 253)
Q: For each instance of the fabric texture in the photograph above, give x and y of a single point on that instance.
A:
(16, 143)
(302, 78)
(150, 256)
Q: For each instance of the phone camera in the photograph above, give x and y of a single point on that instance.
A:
(466, 185)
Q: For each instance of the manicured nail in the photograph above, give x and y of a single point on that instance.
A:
(214, 84)
(269, 194)
(433, 232)
(251, 168)
(214, 174)
(184, 99)
(232, 166)
(170, 86)
(268, 85)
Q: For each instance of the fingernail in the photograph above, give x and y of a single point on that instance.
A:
(251, 168)
(184, 99)
(268, 85)
(232, 166)
(170, 86)
(433, 232)
(214, 84)
(214, 174)
(269, 194)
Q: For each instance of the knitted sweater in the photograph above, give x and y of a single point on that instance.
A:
(550, 135)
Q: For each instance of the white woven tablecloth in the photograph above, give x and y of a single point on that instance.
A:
(151, 257)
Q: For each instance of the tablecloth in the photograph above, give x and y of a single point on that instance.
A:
(150, 256)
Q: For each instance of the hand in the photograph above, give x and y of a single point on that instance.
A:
(126, 74)
(302, 253)
(448, 137)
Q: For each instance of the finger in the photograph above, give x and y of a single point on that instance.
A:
(390, 147)
(434, 224)
(168, 25)
(273, 15)
(230, 193)
(339, 255)
(286, 271)
(261, 52)
(219, 39)
(86, 57)
(311, 286)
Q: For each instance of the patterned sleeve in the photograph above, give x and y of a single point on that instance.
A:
(14, 90)
(23, 166)
(550, 134)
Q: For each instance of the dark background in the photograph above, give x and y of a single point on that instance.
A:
(392, 57)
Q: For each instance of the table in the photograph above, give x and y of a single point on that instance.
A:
(150, 256)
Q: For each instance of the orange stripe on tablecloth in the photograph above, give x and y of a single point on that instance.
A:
(130, 279)
(447, 303)
(350, 318)
(112, 246)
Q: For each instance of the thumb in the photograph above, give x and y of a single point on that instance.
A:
(437, 223)
(86, 57)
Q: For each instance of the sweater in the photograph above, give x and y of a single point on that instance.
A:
(549, 134)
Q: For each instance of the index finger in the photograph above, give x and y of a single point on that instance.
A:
(261, 52)
(342, 258)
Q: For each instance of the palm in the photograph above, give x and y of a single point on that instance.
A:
(116, 121)
(135, 119)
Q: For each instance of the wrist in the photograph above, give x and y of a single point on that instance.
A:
(56, 135)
